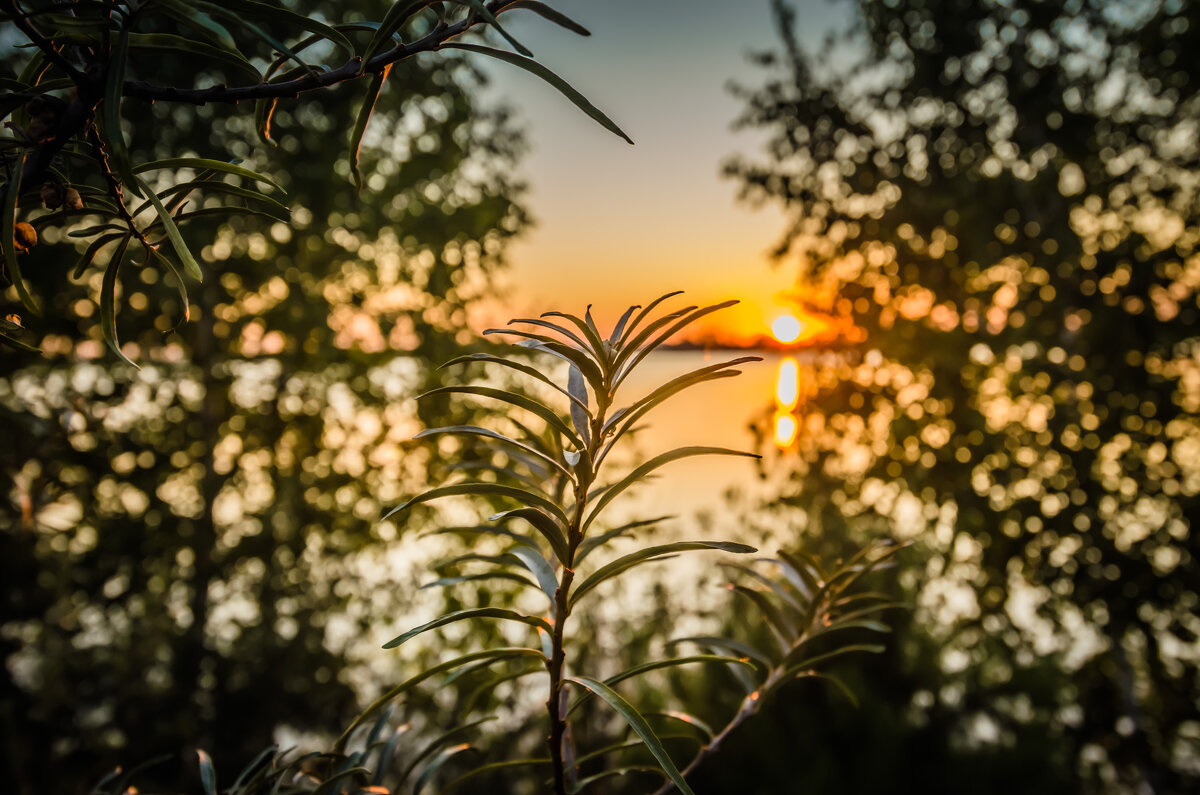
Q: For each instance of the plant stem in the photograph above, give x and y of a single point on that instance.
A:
(558, 726)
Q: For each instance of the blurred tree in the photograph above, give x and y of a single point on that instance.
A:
(1003, 197)
(189, 550)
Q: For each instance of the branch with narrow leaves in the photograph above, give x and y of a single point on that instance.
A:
(552, 462)
(72, 92)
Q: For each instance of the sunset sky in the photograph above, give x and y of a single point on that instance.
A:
(620, 224)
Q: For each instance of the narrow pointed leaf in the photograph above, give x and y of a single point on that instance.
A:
(626, 562)
(595, 542)
(475, 488)
(478, 7)
(400, 12)
(533, 560)
(555, 16)
(474, 430)
(361, 121)
(465, 615)
(655, 665)
(545, 413)
(108, 312)
(281, 15)
(204, 163)
(440, 668)
(513, 365)
(545, 525)
(645, 350)
(640, 472)
(639, 726)
(594, 341)
(579, 416)
(208, 775)
(644, 314)
(438, 742)
(169, 43)
(735, 646)
(532, 66)
(8, 226)
(173, 234)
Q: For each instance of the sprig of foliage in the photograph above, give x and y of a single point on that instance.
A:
(557, 479)
(66, 149)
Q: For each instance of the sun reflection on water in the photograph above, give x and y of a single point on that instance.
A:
(787, 396)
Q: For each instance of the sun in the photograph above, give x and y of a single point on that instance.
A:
(787, 328)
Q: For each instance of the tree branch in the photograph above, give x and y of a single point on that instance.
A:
(290, 89)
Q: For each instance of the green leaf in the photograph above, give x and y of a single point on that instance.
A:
(8, 226)
(479, 488)
(465, 615)
(108, 312)
(807, 663)
(626, 562)
(671, 662)
(639, 726)
(479, 8)
(595, 342)
(199, 163)
(267, 38)
(620, 327)
(640, 351)
(438, 742)
(169, 43)
(557, 17)
(784, 629)
(595, 542)
(544, 524)
(580, 358)
(386, 698)
(201, 21)
(688, 719)
(532, 66)
(513, 365)
(737, 647)
(173, 234)
(579, 412)
(644, 314)
(208, 775)
(641, 471)
(545, 413)
(400, 12)
(179, 283)
(474, 430)
(489, 575)
(181, 190)
(540, 569)
(114, 87)
(362, 120)
(284, 17)
(264, 112)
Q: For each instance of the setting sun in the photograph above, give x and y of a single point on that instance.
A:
(787, 328)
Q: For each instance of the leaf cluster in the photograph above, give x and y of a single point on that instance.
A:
(68, 150)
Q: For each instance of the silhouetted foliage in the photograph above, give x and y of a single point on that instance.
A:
(190, 549)
(1003, 197)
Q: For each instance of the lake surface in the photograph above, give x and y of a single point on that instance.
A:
(718, 413)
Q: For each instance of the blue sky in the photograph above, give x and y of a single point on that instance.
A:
(620, 224)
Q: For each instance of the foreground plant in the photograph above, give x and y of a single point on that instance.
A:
(558, 479)
(70, 165)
